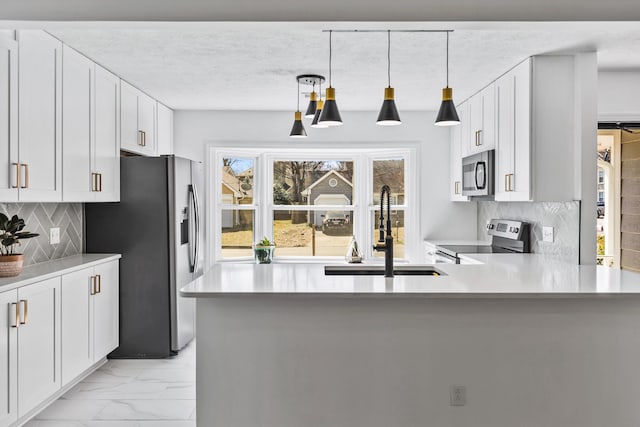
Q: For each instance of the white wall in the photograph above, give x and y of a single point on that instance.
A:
(619, 96)
(440, 218)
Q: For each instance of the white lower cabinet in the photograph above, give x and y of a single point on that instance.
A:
(8, 358)
(89, 317)
(38, 343)
(52, 332)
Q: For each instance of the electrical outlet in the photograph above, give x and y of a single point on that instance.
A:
(547, 234)
(54, 235)
(458, 395)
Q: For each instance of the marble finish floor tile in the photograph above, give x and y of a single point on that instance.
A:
(129, 393)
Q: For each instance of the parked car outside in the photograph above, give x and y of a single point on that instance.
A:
(336, 222)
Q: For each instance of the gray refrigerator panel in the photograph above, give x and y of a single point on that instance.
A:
(138, 227)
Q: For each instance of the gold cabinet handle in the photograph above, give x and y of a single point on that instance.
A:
(17, 318)
(142, 138)
(506, 182)
(94, 183)
(511, 176)
(93, 285)
(17, 165)
(26, 175)
(24, 320)
(99, 182)
(479, 137)
(99, 283)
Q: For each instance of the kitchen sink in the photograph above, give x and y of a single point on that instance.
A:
(378, 270)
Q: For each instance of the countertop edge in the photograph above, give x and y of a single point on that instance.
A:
(58, 267)
(413, 295)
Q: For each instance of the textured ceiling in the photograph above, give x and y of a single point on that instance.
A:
(255, 69)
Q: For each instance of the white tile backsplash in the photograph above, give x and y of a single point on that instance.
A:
(564, 217)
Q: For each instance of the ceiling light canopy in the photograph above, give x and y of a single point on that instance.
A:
(447, 116)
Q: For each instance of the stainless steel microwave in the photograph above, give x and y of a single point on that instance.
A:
(478, 174)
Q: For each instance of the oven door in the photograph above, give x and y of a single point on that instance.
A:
(442, 258)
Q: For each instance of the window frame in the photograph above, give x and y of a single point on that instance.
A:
(362, 203)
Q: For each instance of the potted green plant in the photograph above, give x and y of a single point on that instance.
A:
(263, 251)
(11, 232)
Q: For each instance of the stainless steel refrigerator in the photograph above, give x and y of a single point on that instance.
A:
(158, 228)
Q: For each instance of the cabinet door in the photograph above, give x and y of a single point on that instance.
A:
(107, 135)
(476, 108)
(78, 183)
(487, 136)
(164, 129)
(505, 136)
(105, 303)
(40, 85)
(456, 166)
(465, 129)
(147, 122)
(129, 137)
(521, 179)
(8, 358)
(76, 323)
(8, 120)
(38, 343)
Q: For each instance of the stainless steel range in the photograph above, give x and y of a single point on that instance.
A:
(507, 236)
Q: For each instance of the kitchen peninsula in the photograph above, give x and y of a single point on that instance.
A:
(533, 342)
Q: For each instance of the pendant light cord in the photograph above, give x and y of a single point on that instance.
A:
(298, 107)
(389, 57)
(447, 58)
(330, 52)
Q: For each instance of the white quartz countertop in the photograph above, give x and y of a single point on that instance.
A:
(499, 276)
(45, 270)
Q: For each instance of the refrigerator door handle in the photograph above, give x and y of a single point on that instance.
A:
(191, 219)
(196, 210)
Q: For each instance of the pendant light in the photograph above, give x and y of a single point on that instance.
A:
(316, 117)
(447, 116)
(330, 115)
(297, 131)
(388, 113)
(313, 103)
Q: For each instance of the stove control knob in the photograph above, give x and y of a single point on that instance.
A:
(516, 230)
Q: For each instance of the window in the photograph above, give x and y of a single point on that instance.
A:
(237, 206)
(310, 203)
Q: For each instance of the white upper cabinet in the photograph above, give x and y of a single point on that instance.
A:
(482, 120)
(90, 137)
(106, 153)
(456, 165)
(77, 126)
(8, 120)
(138, 114)
(40, 90)
(164, 129)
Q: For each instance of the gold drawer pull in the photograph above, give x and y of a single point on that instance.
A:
(142, 140)
(26, 175)
(17, 318)
(17, 165)
(26, 312)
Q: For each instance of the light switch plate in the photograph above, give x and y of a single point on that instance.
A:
(547, 234)
(54, 235)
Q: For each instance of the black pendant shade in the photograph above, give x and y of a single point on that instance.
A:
(330, 115)
(313, 105)
(447, 116)
(316, 117)
(388, 113)
(297, 131)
